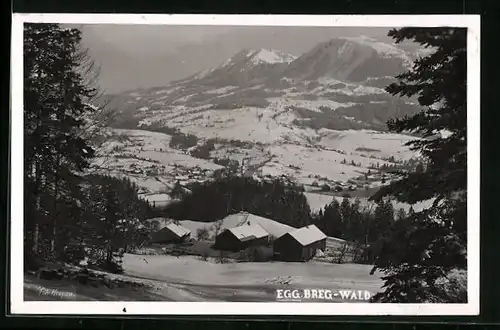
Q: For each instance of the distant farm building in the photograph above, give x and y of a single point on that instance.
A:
(300, 244)
(240, 238)
(171, 233)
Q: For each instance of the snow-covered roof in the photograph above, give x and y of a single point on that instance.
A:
(244, 233)
(270, 226)
(178, 230)
(307, 235)
(335, 239)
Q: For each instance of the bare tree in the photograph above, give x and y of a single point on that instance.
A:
(217, 226)
(202, 234)
(343, 251)
(221, 258)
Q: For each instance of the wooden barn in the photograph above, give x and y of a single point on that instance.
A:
(300, 244)
(171, 233)
(241, 237)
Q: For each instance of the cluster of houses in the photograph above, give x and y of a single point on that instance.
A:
(285, 244)
(186, 175)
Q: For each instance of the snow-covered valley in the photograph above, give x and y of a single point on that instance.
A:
(273, 113)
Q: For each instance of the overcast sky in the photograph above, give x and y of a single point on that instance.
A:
(141, 56)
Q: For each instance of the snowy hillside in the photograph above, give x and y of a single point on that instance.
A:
(146, 158)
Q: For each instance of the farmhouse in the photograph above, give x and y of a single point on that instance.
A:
(171, 233)
(241, 237)
(300, 244)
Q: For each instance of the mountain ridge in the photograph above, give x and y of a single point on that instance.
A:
(366, 47)
(320, 79)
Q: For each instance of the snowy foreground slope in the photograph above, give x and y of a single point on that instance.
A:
(189, 279)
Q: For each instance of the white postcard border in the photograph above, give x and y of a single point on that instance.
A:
(19, 306)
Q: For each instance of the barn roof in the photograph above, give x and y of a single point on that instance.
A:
(244, 233)
(244, 219)
(307, 235)
(177, 229)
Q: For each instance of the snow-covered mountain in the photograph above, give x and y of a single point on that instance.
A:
(249, 66)
(281, 114)
(271, 56)
(350, 59)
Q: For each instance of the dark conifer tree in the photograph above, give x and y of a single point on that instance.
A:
(55, 104)
(333, 219)
(216, 199)
(431, 242)
(382, 221)
(355, 230)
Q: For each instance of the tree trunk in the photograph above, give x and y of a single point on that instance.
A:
(35, 238)
(54, 220)
(367, 235)
(36, 191)
(109, 256)
(39, 181)
(54, 208)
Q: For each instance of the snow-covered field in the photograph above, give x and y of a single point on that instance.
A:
(364, 148)
(191, 270)
(302, 162)
(158, 199)
(381, 144)
(318, 201)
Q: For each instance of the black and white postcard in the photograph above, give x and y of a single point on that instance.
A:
(245, 164)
